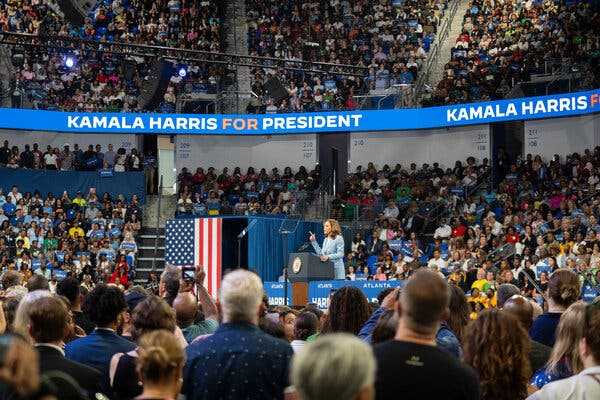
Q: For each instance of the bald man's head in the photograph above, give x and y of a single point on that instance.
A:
(186, 309)
(424, 301)
(521, 308)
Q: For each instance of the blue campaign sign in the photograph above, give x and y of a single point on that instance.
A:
(106, 173)
(560, 105)
(589, 293)
(60, 274)
(319, 291)
(275, 293)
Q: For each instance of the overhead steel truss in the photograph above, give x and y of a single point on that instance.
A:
(76, 45)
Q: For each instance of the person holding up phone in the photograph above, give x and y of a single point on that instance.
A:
(333, 247)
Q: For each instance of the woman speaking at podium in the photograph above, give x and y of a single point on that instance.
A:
(333, 247)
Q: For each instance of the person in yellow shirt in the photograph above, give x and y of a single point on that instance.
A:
(79, 200)
(489, 300)
(475, 296)
(23, 236)
(76, 232)
(481, 281)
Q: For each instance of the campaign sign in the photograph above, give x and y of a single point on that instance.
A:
(319, 291)
(106, 173)
(60, 274)
(590, 293)
(275, 293)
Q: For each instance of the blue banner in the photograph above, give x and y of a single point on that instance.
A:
(561, 105)
(319, 291)
(589, 293)
(275, 291)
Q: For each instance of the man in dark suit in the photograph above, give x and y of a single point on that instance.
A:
(49, 326)
(105, 305)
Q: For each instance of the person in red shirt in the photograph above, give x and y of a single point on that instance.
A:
(512, 236)
(119, 276)
(459, 230)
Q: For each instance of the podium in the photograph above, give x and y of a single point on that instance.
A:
(304, 268)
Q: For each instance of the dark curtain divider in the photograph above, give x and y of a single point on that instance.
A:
(56, 182)
(265, 246)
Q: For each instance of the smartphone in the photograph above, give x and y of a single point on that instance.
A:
(188, 274)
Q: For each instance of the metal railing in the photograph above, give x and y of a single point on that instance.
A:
(434, 51)
(154, 255)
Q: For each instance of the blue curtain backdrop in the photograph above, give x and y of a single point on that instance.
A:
(55, 182)
(265, 244)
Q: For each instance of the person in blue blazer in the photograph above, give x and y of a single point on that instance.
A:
(333, 247)
(105, 304)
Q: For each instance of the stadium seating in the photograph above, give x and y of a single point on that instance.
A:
(391, 40)
(504, 44)
(95, 81)
(206, 193)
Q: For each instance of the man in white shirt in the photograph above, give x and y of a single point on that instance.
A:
(15, 194)
(495, 225)
(437, 262)
(443, 232)
(391, 211)
(586, 384)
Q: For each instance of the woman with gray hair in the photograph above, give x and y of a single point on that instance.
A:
(22, 321)
(337, 366)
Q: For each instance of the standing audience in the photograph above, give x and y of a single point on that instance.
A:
(497, 347)
(409, 364)
(337, 366)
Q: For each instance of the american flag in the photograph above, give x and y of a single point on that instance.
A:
(191, 242)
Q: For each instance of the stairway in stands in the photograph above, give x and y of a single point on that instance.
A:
(236, 37)
(448, 43)
(148, 259)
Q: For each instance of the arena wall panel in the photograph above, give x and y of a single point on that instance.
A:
(561, 136)
(445, 146)
(248, 151)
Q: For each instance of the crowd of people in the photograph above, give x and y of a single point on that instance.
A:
(390, 40)
(71, 342)
(503, 43)
(106, 81)
(89, 236)
(212, 193)
(71, 159)
(369, 191)
(542, 217)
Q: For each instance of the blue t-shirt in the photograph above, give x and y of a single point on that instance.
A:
(543, 329)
